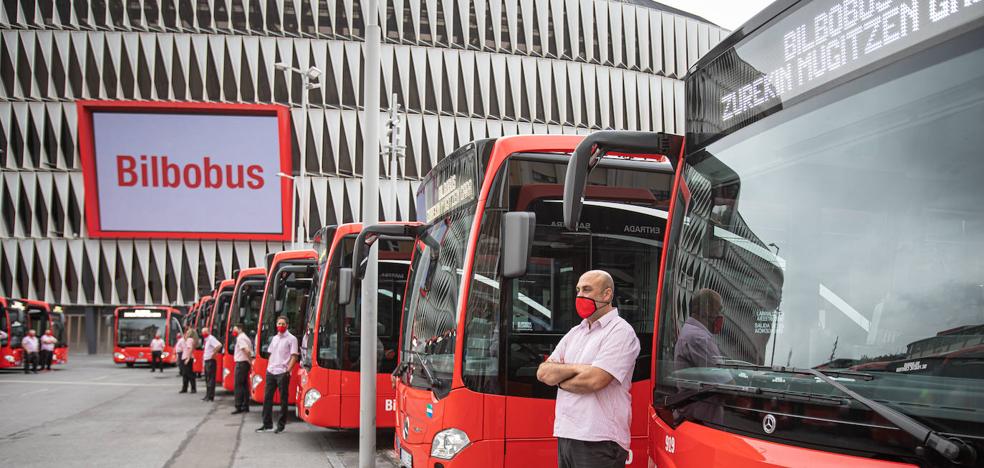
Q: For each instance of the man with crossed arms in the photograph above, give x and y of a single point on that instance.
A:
(592, 369)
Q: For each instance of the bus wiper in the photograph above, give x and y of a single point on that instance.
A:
(432, 379)
(703, 390)
(951, 448)
(794, 370)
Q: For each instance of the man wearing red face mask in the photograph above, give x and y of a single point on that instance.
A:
(696, 347)
(592, 369)
(283, 357)
(243, 357)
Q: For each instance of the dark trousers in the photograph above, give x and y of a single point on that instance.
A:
(189, 376)
(241, 387)
(209, 369)
(274, 383)
(578, 453)
(156, 363)
(46, 359)
(31, 359)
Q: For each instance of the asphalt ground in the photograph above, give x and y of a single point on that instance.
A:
(93, 412)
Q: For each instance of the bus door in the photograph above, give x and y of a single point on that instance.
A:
(58, 330)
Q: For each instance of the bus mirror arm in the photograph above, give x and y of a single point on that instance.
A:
(518, 228)
(597, 145)
(370, 234)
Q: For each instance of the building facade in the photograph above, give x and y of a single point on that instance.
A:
(459, 69)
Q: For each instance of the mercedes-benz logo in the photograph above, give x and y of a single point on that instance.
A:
(769, 424)
(406, 428)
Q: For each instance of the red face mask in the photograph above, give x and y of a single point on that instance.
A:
(717, 325)
(235, 333)
(30, 333)
(585, 306)
(48, 333)
(205, 334)
(281, 328)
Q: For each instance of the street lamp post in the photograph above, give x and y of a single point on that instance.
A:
(310, 81)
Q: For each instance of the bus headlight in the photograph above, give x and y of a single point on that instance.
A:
(164, 354)
(256, 381)
(9, 358)
(225, 372)
(448, 443)
(310, 397)
(119, 356)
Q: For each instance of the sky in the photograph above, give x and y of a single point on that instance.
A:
(729, 14)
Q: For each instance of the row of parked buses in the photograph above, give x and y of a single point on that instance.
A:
(828, 189)
(17, 316)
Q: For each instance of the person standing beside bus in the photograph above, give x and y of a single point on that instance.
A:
(283, 356)
(208, 356)
(243, 356)
(188, 361)
(179, 352)
(48, 342)
(30, 345)
(156, 351)
(592, 369)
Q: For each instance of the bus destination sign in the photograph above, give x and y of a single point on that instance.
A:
(142, 313)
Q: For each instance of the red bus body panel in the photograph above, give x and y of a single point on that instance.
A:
(15, 354)
(698, 445)
(227, 369)
(213, 328)
(260, 363)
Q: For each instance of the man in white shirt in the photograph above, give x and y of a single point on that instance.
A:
(48, 342)
(30, 345)
(210, 345)
(283, 356)
(156, 352)
(243, 356)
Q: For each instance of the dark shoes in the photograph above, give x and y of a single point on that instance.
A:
(240, 411)
(183, 391)
(264, 429)
(279, 430)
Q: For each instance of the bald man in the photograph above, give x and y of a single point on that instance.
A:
(592, 369)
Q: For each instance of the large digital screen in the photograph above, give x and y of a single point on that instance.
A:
(185, 171)
(811, 45)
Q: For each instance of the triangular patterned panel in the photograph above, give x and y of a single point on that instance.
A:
(336, 52)
(463, 18)
(617, 100)
(46, 47)
(199, 45)
(511, 8)
(542, 25)
(333, 122)
(319, 49)
(125, 251)
(558, 33)
(466, 63)
(387, 197)
(588, 28)
(646, 42)
(234, 47)
(386, 62)
(216, 49)
(192, 254)
(149, 44)
(78, 191)
(75, 252)
(419, 57)
(450, 75)
(628, 87)
(208, 258)
(316, 124)
(27, 41)
(668, 105)
(349, 124)
(29, 182)
(602, 26)
(645, 103)
(13, 185)
(59, 249)
(141, 249)
(10, 251)
(483, 75)
(353, 193)
(337, 188)
(258, 250)
(480, 16)
(320, 196)
(54, 113)
(544, 77)
(414, 126)
(159, 247)
(402, 55)
(572, 13)
(241, 249)
(514, 67)
(434, 61)
(617, 28)
(559, 72)
(108, 254)
(629, 34)
(225, 259)
(45, 183)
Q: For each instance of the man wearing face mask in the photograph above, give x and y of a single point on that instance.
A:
(178, 351)
(592, 369)
(156, 351)
(696, 348)
(48, 342)
(30, 345)
(283, 356)
(211, 344)
(243, 356)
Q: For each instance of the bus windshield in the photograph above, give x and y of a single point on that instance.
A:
(246, 308)
(291, 291)
(845, 236)
(138, 331)
(218, 326)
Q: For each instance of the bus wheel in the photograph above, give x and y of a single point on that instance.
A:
(129, 364)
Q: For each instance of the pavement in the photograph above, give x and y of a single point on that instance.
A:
(92, 412)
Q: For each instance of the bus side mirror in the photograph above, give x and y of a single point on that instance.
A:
(345, 286)
(518, 228)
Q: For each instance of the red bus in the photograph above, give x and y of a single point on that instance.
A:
(198, 321)
(41, 318)
(13, 322)
(831, 177)
(289, 285)
(247, 296)
(135, 326)
(217, 320)
(329, 375)
(491, 291)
